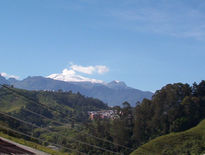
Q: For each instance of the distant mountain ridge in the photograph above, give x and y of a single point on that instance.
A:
(113, 93)
(3, 80)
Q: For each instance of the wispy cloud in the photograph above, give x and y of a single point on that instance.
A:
(71, 74)
(168, 17)
(9, 76)
(101, 69)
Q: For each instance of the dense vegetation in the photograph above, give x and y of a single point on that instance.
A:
(191, 141)
(67, 104)
(174, 108)
(66, 107)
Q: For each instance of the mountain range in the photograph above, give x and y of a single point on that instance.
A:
(113, 93)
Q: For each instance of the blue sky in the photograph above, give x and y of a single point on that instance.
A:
(145, 43)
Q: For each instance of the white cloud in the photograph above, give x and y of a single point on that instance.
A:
(9, 76)
(70, 75)
(86, 70)
(90, 69)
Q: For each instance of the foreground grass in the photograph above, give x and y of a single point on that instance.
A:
(189, 142)
(32, 145)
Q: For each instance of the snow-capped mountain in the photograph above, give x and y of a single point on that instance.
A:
(113, 93)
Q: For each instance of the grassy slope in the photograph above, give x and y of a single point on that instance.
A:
(11, 103)
(189, 142)
(31, 144)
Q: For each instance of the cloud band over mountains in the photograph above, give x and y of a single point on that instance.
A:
(72, 74)
(9, 76)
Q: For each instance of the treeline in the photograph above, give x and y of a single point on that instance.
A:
(61, 106)
(176, 107)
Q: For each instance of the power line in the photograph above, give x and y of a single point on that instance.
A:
(30, 99)
(78, 132)
(21, 133)
(65, 124)
(25, 122)
(76, 129)
(73, 139)
(49, 131)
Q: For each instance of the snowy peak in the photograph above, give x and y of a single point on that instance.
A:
(71, 76)
(113, 93)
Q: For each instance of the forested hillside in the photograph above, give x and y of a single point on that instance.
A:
(14, 100)
(174, 108)
(38, 113)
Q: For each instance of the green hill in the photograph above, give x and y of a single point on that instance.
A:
(54, 117)
(67, 104)
(189, 142)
